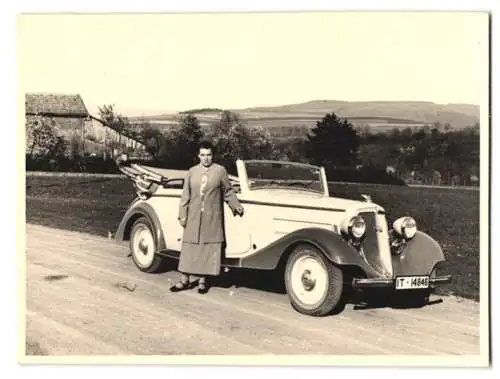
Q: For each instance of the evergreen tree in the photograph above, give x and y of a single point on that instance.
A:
(334, 141)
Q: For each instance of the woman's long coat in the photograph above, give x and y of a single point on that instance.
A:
(204, 217)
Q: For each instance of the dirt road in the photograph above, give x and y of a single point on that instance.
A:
(85, 297)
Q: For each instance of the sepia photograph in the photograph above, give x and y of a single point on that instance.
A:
(255, 187)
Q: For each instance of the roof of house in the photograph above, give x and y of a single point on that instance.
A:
(55, 104)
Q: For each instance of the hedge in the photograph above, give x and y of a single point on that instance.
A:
(98, 165)
(80, 164)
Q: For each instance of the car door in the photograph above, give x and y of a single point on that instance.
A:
(237, 231)
(166, 204)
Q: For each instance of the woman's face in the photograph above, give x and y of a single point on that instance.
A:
(206, 157)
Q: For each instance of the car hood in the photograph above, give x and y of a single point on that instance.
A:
(310, 199)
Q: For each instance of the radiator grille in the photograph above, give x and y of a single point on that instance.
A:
(373, 244)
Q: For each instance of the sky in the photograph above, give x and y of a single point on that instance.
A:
(149, 64)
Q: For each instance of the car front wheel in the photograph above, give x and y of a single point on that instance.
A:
(143, 246)
(313, 284)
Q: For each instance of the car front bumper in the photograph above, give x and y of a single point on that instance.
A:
(361, 283)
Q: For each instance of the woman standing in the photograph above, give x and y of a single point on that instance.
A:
(201, 211)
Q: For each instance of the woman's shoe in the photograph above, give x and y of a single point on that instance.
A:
(181, 286)
(202, 288)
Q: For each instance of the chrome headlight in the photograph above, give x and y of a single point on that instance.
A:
(405, 227)
(356, 227)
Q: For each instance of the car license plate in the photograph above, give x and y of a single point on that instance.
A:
(412, 282)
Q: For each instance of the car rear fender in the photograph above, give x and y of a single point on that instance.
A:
(135, 211)
(331, 244)
(419, 256)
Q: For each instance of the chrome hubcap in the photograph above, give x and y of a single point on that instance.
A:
(308, 282)
(143, 246)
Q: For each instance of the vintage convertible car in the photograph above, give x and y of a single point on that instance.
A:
(321, 242)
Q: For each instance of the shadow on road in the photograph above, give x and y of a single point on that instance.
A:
(390, 299)
(272, 282)
(252, 279)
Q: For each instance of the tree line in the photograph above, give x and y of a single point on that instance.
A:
(435, 154)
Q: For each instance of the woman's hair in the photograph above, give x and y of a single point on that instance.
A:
(207, 145)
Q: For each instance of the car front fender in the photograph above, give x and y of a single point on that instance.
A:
(136, 210)
(419, 256)
(331, 244)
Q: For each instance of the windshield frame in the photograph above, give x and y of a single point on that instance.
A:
(322, 176)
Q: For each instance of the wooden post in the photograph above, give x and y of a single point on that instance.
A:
(83, 135)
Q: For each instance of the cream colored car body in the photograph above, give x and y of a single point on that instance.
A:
(286, 221)
(269, 215)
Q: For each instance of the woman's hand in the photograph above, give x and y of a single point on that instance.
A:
(239, 211)
(182, 221)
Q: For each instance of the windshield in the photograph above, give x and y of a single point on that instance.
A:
(289, 175)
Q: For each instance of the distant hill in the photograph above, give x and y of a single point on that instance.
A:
(378, 115)
(458, 115)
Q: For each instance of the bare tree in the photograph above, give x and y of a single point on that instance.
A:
(115, 120)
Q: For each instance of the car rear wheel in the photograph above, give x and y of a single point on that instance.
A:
(313, 284)
(143, 246)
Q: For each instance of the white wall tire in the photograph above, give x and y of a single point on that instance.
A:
(143, 246)
(314, 285)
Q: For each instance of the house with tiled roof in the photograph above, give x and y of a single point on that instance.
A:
(83, 133)
(69, 106)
